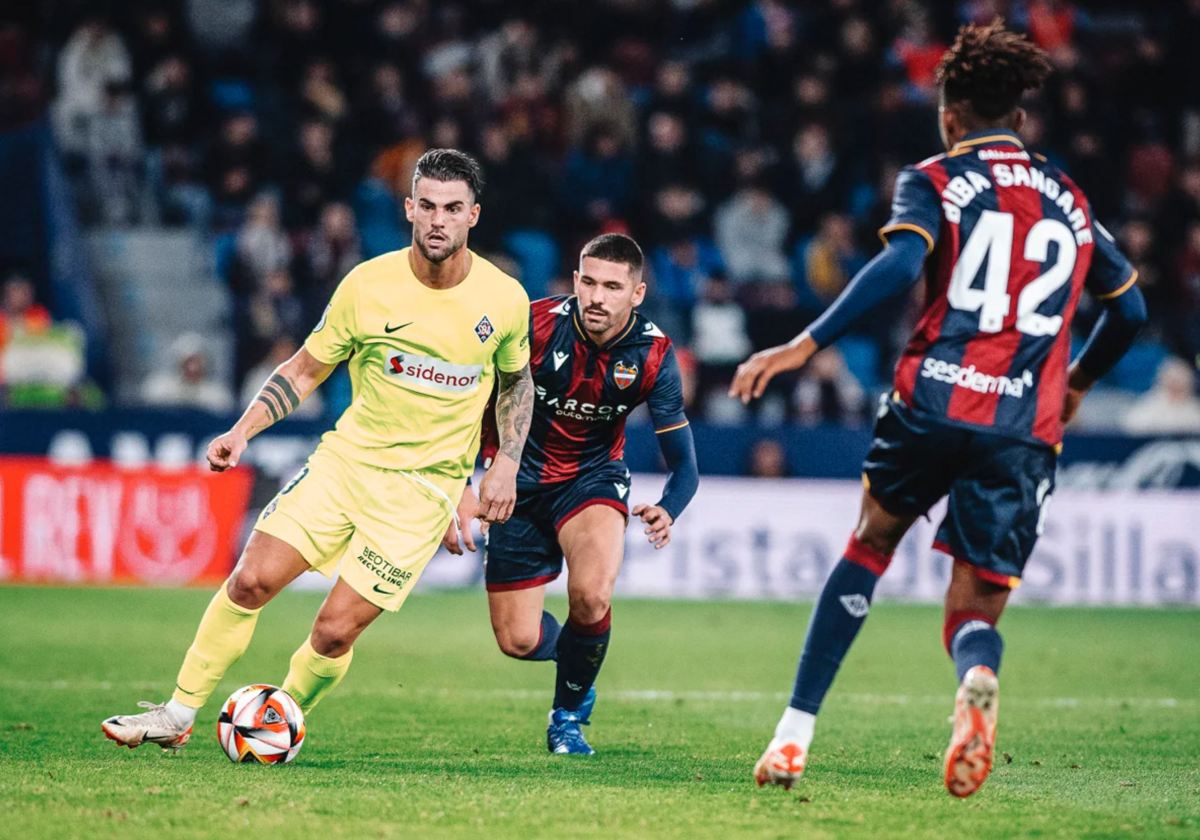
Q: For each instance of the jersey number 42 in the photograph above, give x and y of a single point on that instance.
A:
(992, 238)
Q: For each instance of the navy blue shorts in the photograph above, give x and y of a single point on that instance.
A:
(524, 552)
(999, 487)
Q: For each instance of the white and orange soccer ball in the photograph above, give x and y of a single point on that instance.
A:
(260, 724)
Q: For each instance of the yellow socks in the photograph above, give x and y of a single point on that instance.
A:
(312, 676)
(221, 639)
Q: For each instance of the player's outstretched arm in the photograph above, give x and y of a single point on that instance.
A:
(893, 271)
(514, 413)
(279, 396)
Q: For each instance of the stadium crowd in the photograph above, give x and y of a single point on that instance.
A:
(751, 147)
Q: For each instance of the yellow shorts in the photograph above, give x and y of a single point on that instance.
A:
(379, 528)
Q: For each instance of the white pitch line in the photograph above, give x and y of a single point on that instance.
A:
(629, 695)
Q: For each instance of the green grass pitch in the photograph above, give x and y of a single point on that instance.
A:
(435, 734)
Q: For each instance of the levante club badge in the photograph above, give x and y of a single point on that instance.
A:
(624, 375)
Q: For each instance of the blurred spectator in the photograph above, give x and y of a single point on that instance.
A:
(188, 383)
(832, 259)
(93, 60)
(281, 350)
(221, 25)
(817, 182)
(918, 51)
(598, 181)
(751, 229)
(828, 392)
(19, 311)
(114, 156)
(387, 114)
(517, 196)
(721, 342)
(238, 162)
(1184, 318)
(42, 364)
(768, 460)
(1172, 407)
(320, 93)
(262, 244)
(597, 104)
(171, 110)
(683, 268)
(333, 249)
(316, 179)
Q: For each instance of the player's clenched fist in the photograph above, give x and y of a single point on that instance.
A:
(225, 451)
(498, 490)
(658, 524)
(754, 374)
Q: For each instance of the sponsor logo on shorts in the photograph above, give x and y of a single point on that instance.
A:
(433, 373)
(974, 380)
(484, 329)
(624, 375)
(378, 564)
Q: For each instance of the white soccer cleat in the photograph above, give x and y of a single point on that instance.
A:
(972, 746)
(781, 764)
(155, 726)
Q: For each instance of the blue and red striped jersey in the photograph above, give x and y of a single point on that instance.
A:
(585, 392)
(1012, 243)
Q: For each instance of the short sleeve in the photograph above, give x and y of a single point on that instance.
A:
(666, 399)
(513, 352)
(335, 337)
(1110, 273)
(915, 207)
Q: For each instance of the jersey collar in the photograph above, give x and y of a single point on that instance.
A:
(587, 339)
(987, 136)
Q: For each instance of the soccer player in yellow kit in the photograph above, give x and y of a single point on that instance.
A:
(426, 330)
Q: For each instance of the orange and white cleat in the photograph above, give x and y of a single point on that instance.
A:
(153, 727)
(781, 764)
(969, 757)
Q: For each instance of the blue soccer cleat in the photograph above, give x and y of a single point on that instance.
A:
(564, 736)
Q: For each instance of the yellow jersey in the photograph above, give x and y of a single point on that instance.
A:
(422, 361)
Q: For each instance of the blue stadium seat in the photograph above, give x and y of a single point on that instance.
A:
(231, 94)
(538, 255)
(1138, 367)
(225, 251)
(862, 359)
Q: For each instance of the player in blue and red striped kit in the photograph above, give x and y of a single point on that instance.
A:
(982, 392)
(594, 358)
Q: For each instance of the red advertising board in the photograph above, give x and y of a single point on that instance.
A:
(104, 524)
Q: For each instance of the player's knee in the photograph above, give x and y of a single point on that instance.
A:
(332, 637)
(517, 642)
(588, 606)
(247, 588)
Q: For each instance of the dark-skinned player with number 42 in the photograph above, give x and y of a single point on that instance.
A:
(1007, 243)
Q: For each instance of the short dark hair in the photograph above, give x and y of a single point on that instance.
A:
(617, 248)
(989, 68)
(450, 165)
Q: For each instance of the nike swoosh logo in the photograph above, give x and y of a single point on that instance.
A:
(376, 586)
(389, 329)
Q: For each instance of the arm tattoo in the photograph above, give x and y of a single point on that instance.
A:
(514, 411)
(279, 397)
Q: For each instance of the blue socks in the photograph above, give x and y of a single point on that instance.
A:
(581, 650)
(838, 616)
(547, 647)
(971, 639)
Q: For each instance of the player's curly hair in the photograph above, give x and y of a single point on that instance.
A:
(989, 68)
(450, 165)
